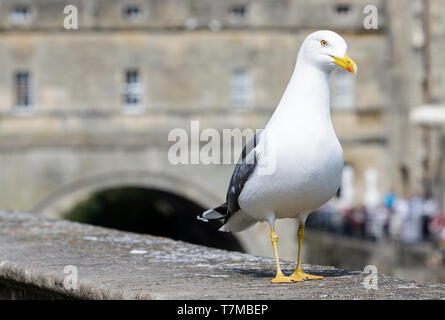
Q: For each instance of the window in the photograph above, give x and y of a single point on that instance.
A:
(132, 89)
(132, 12)
(343, 95)
(241, 87)
(237, 13)
(20, 15)
(346, 192)
(22, 83)
(238, 10)
(371, 197)
(343, 8)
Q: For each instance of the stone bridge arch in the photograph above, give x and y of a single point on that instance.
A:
(59, 201)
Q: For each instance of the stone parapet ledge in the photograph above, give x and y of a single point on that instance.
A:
(39, 258)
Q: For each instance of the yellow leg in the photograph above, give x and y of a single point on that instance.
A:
(280, 277)
(299, 274)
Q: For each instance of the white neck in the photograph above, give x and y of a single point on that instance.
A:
(306, 98)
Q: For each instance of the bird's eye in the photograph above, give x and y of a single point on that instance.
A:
(324, 43)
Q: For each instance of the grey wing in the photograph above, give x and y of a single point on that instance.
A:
(244, 168)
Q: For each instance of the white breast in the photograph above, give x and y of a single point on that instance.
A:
(307, 173)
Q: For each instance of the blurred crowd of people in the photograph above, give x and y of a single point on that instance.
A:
(408, 220)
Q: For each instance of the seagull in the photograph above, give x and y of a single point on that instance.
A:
(294, 165)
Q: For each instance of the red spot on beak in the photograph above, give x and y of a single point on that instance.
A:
(349, 69)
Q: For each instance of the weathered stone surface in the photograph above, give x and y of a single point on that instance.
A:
(119, 265)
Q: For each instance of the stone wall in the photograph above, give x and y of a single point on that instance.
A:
(42, 258)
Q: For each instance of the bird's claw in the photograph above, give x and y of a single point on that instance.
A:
(300, 275)
(281, 278)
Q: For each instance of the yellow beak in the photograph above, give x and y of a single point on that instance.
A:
(346, 63)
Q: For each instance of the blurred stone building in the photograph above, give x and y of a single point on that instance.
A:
(91, 108)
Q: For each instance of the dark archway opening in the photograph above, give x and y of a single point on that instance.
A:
(152, 212)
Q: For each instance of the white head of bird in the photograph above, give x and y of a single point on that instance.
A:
(326, 50)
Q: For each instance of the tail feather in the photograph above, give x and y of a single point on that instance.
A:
(214, 214)
(237, 222)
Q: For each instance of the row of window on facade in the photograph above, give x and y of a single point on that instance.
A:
(22, 14)
(241, 88)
